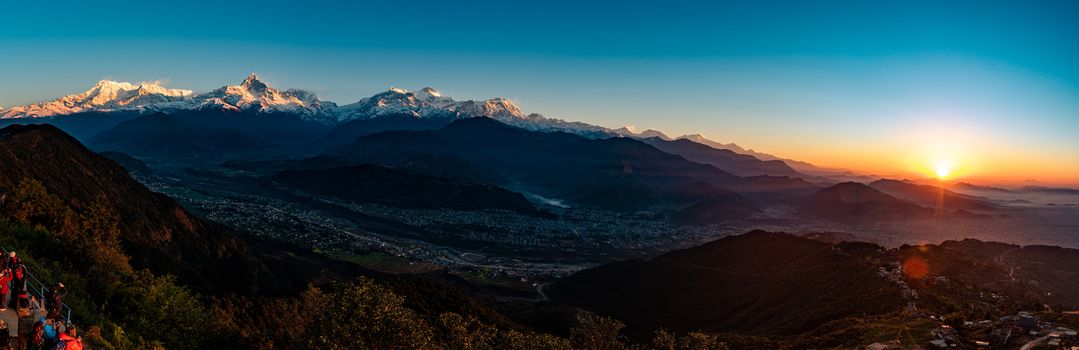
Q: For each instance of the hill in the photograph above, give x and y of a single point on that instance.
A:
(379, 184)
(933, 196)
(720, 208)
(758, 282)
(133, 165)
(727, 160)
(349, 131)
(1047, 274)
(155, 230)
(856, 202)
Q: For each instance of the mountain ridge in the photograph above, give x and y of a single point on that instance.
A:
(253, 95)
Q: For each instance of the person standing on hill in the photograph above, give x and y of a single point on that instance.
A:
(5, 279)
(55, 301)
(49, 331)
(37, 337)
(6, 274)
(18, 287)
(11, 261)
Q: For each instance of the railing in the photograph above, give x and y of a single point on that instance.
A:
(41, 290)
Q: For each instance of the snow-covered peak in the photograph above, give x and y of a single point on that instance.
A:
(631, 131)
(497, 108)
(428, 92)
(254, 95)
(431, 95)
(251, 78)
(655, 133)
(252, 83)
(426, 102)
(106, 95)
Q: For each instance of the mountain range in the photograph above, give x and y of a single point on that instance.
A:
(254, 97)
(613, 173)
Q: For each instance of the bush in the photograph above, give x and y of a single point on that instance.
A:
(364, 315)
(160, 309)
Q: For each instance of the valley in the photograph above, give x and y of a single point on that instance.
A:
(519, 246)
(519, 223)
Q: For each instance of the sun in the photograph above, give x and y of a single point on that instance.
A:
(942, 167)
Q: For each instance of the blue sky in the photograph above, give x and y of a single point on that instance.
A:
(843, 83)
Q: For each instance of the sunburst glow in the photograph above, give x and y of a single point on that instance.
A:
(943, 168)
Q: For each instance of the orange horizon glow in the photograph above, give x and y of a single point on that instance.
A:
(1011, 170)
(942, 152)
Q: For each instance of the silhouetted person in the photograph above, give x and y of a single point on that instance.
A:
(18, 287)
(55, 301)
(11, 261)
(37, 337)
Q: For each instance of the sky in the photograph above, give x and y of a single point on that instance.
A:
(991, 88)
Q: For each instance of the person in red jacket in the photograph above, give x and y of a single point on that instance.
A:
(70, 340)
(5, 279)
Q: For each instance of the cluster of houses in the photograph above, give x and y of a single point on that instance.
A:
(1004, 330)
(1026, 323)
(1000, 332)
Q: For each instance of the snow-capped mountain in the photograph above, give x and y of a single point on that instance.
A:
(631, 131)
(698, 138)
(253, 95)
(106, 95)
(428, 102)
(424, 103)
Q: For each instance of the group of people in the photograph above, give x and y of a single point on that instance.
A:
(47, 332)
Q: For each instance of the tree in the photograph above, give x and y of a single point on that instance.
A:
(698, 340)
(100, 236)
(168, 312)
(662, 340)
(32, 204)
(364, 315)
(597, 332)
(466, 333)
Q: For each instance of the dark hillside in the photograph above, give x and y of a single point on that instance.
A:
(379, 184)
(759, 282)
(154, 229)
